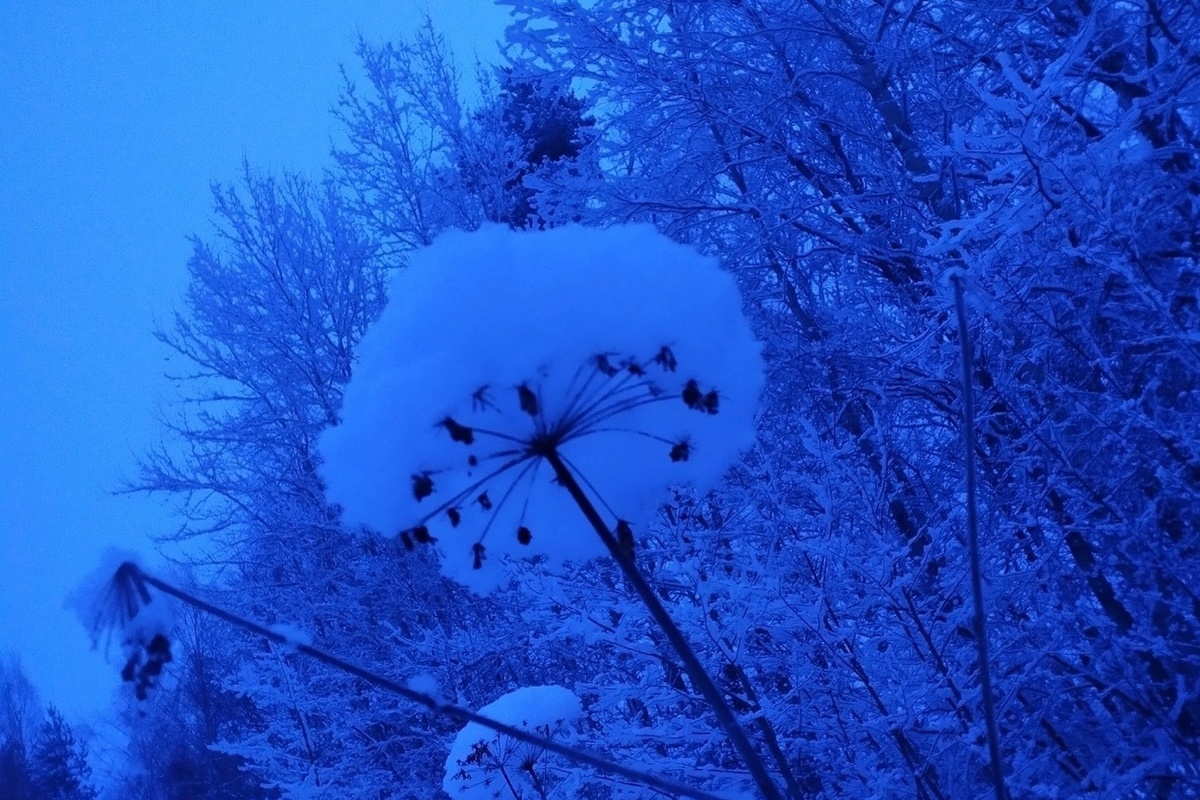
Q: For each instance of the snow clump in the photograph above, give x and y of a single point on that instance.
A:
(478, 754)
(624, 351)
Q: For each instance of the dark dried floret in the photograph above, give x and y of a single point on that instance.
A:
(680, 451)
(604, 365)
(421, 534)
(484, 501)
(523, 535)
(528, 400)
(406, 540)
(159, 648)
(480, 399)
(422, 486)
(477, 552)
(710, 402)
(146, 673)
(666, 359)
(692, 396)
(458, 433)
(635, 369)
(472, 460)
(454, 516)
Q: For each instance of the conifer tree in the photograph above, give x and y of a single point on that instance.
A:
(58, 765)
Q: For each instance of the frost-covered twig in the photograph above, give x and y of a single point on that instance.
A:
(985, 672)
(132, 580)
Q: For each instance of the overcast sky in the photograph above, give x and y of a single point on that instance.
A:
(117, 116)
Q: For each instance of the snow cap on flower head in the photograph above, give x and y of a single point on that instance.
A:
(489, 337)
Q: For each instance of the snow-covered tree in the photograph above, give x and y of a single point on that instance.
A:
(279, 297)
(844, 158)
(20, 714)
(58, 766)
(850, 164)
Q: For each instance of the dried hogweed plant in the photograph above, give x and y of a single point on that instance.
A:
(531, 392)
(119, 602)
(503, 459)
(538, 394)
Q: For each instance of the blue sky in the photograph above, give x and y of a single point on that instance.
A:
(118, 116)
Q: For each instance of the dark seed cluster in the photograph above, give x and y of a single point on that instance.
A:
(527, 399)
(458, 433)
(145, 666)
(422, 486)
(696, 400)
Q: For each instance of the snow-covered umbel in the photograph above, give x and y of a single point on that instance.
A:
(629, 351)
(108, 606)
(480, 759)
(112, 602)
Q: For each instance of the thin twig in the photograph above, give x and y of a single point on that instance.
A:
(985, 670)
(130, 571)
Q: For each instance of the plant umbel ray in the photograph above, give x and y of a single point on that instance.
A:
(699, 676)
(131, 576)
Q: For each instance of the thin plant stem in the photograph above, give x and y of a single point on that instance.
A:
(131, 572)
(980, 620)
(700, 677)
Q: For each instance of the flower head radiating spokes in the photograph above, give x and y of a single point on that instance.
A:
(504, 452)
(620, 351)
(113, 603)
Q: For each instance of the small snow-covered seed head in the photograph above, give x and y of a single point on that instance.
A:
(115, 603)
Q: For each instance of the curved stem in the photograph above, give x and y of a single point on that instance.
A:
(985, 670)
(699, 676)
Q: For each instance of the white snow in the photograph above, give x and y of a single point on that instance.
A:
(498, 309)
(539, 709)
(293, 635)
(426, 684)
